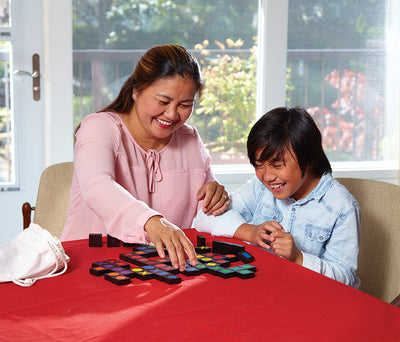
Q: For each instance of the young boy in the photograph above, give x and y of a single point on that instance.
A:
(293, 207)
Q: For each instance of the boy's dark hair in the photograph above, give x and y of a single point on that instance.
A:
(288, 128)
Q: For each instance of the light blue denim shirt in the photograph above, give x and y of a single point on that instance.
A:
(324, 225)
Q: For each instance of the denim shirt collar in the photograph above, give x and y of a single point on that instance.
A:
(318, 192)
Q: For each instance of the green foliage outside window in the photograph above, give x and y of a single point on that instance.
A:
(226, 110)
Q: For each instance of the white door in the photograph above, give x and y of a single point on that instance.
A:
(39, 124)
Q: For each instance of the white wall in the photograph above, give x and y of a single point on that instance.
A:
(57, 79)
(45, 127)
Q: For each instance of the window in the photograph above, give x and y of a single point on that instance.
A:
(339, 60)
(110, 36)
(341, 66)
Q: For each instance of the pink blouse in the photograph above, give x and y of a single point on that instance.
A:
(117, 186)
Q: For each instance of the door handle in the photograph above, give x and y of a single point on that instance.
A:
(35, 74)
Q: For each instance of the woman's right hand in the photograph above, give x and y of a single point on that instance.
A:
(163, 233)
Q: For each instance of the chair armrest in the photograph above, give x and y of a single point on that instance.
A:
(26, 214)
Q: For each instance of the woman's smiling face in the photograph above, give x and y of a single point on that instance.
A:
(162, 108)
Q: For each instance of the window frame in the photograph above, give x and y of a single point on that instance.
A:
(272, 63)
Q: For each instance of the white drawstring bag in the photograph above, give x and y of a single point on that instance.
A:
(32, 255)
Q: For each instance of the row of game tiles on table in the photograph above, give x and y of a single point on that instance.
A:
(120, 272)
(220, 247)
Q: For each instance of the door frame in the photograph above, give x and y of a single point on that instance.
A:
(43, 129)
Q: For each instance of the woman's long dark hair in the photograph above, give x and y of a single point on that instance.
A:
(159, 62)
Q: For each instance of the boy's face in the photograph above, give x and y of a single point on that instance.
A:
(283, 177)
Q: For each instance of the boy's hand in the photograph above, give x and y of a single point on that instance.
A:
(260, 234)
(266, 233)
(284, 246)
(269, 235)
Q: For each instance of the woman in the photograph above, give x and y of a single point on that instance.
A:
(140, 171)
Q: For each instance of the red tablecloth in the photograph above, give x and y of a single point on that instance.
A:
(284, 302)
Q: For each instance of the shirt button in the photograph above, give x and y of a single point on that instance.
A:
(274, 218)
(293, 209)
(321, 238)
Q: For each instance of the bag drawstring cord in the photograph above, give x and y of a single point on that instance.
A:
(30, 281)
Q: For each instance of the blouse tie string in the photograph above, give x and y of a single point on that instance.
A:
(153, 168)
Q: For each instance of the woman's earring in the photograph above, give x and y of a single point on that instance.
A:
(134, 96)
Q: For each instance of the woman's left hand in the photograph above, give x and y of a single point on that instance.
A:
(215, 198)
